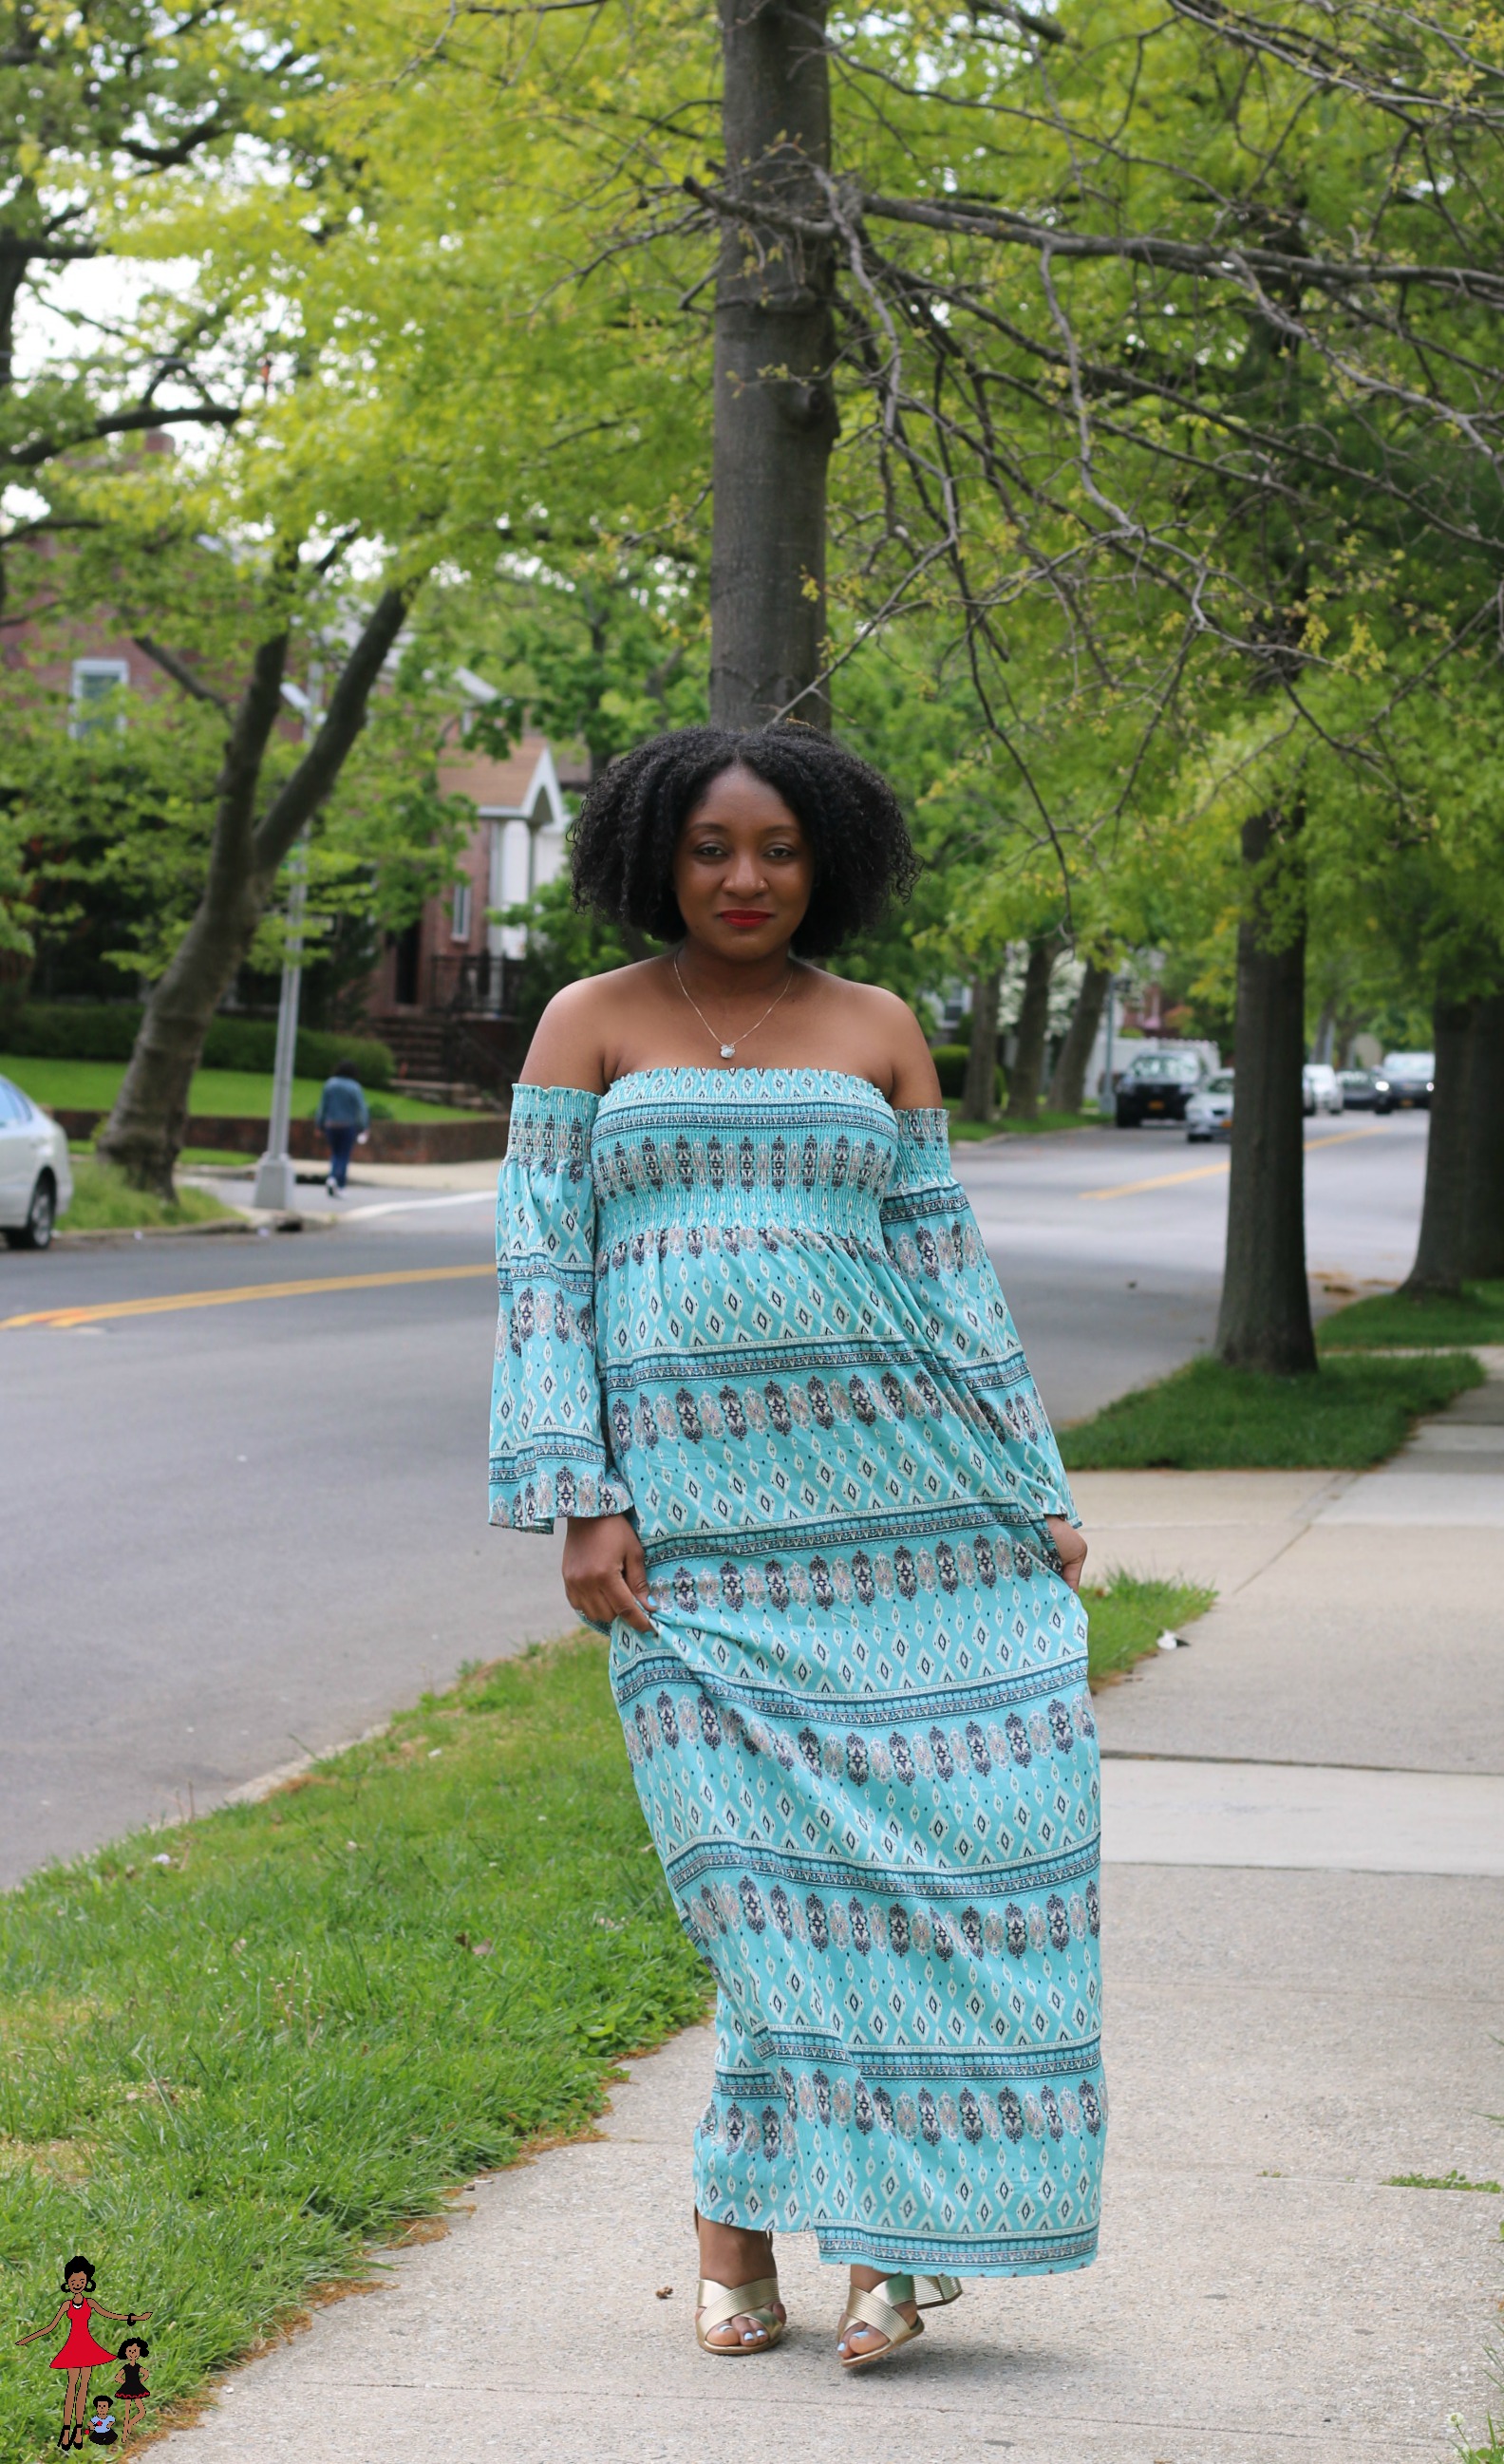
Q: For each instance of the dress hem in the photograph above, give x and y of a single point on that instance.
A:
(928, 2254)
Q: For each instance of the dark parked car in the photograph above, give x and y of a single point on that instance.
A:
(1157, 1087)
(1362, 1090)
(1405, 1080)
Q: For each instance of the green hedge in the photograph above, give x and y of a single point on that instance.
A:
(107, 1030)
(950, 1063)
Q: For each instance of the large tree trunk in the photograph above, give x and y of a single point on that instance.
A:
(980, 1099)
(1437, 1271)
(1483, 1199)
(1068, 1085)
(1265, 1319)
(775, 344)
(1033, 1025)
(144, 1130)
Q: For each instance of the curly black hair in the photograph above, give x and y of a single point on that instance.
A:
(629, 828)
(143, 2349)
(78, 2266)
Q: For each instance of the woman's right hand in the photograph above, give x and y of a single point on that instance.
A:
(605, 1571)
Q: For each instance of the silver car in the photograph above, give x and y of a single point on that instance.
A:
(35, 1177)
(1209, 1113)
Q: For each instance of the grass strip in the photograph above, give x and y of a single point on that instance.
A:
(240, 1094)
(103, 1201)
(235, 2054)
(1208, 1418)
(1041, 1122)
(1127, 1614)
(1390, 1318)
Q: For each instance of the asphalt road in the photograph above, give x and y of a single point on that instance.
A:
(235, 1529)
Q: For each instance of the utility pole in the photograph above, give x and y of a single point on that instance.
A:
(276, 1174)
(1106, 1098)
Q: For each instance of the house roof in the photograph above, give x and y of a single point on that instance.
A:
(514, 785)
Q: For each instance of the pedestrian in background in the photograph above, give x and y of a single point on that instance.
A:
(343, 1117)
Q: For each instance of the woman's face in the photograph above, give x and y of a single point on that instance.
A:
(744, 869)
(76, 2280)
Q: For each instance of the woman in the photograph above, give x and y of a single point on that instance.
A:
(80, 2350)
(752, 1350)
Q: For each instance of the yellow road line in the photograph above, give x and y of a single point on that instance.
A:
(1164, 1180)
(1342, 1138)
(89, 1314)
(1214, 1171)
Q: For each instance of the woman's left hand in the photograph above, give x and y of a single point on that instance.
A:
(1070, 1548)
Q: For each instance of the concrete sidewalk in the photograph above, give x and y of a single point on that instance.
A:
(1305, 1989)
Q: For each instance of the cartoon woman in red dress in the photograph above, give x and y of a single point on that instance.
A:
(80, 2352)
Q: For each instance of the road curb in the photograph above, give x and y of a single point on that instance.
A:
(109, 1235)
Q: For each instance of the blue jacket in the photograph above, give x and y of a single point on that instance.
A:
(341, 1106)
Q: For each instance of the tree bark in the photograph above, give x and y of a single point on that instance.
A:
(775, 408)
(1483, 1201)
(979, 1100)
(1068, 1085)
(1033, 1025)
(1437, 1271)
(1265, 1319)
(145, 1132)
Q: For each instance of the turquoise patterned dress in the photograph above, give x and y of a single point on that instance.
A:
(751, 1309)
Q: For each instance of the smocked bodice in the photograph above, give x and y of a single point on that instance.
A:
(796, 1149)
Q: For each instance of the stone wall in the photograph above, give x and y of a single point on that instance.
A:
(471, 1142)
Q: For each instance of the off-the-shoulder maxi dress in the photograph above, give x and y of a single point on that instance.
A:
(751, 1309)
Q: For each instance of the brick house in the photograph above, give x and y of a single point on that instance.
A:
(440, 995)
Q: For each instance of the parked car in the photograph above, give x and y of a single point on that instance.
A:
(1209, 1113)
(35, 1176)
(1362, 1090)
(1157, 1087)
(1408, 1081)
(1320, 1088)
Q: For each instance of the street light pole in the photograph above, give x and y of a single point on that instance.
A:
(276, 1174)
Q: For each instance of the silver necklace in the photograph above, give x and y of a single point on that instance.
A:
(728, 1051)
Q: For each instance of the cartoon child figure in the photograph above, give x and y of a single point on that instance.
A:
(102, 2424)
(132, 2391)
(80, 2352)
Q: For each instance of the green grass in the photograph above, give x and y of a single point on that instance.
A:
(1452, 2181)
(1205, 1418)
(1492, 2451)
(1041, 1121)
(1126, 1617)
(92, 1085)
(103, 1201)
(235, 2054)
(1386, 1319)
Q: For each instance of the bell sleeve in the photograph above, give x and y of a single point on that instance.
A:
(549, 1450)
(931, 1237)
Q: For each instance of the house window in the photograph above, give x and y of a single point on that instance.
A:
(460, 912)
(94, 684)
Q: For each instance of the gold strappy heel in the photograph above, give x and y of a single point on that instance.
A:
(718, 2304)
(877, 2309)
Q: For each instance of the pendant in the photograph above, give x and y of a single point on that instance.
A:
(728, 1052)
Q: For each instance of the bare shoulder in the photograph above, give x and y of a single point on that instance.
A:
(889, 1026)
(578, 1029)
